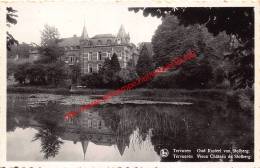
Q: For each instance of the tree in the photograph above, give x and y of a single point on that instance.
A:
(109, 72)
(144, 64)
(217, 20)
(115, 66)
(20, 73)
(49, 35)
(36, 74)
(49, 49)
(10, 19)
(106, 72)
(172, 40)
(56, 73)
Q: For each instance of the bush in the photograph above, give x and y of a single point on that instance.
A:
(20, 73)
(127, 75)
(194, 75)
(164, 81)
(93, 80)
(56, 73)
(36, 74)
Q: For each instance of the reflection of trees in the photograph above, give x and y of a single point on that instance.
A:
(49, 116)
(202, 125)
(50, 142)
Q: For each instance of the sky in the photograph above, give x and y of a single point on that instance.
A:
(69, 18)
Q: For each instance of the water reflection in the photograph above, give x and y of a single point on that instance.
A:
(141, 130)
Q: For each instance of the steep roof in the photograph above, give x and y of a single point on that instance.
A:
(104, 36)
(84, 34)
(121, 33)
(70, 41)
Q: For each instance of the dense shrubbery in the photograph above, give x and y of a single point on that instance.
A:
(41, 74)
(93, 80)
(20, 73)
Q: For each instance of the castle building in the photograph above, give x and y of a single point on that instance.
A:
(90, 53)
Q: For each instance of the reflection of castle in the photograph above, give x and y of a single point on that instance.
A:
(90, 127)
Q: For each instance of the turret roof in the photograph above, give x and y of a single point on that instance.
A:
(84, 34)
(121, 33)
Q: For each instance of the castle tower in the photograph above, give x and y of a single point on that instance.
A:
(84, 35)
(122, 37)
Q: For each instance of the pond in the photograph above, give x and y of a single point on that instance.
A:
(131, 131)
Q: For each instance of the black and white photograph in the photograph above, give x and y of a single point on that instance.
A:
(104, 82)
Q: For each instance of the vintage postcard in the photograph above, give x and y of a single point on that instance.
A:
(129, 84)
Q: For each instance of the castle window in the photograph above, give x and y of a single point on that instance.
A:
(109, 55)
(99, 66)
(99, 42)
(89, 123)
(90, 70)
(85, 65)
(99, 56)
(109, 42)
(89, 55)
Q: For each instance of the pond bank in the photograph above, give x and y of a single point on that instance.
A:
(148, 94)
(87, 91)
(244, 96)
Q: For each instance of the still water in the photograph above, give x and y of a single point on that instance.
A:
(37, 131)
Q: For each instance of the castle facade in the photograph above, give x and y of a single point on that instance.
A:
(90, 53)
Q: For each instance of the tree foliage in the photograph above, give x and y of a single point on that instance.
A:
(50, 51)
(36, 74)
(115, 66)
(10, 19)
(144, 64)
(127, 75)
(49, 35)
(41, 74)
(235, 21)
(56, 73)
(172, 40)
(20, 73)
(194, 75)
(109, 72)
(93, 80)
